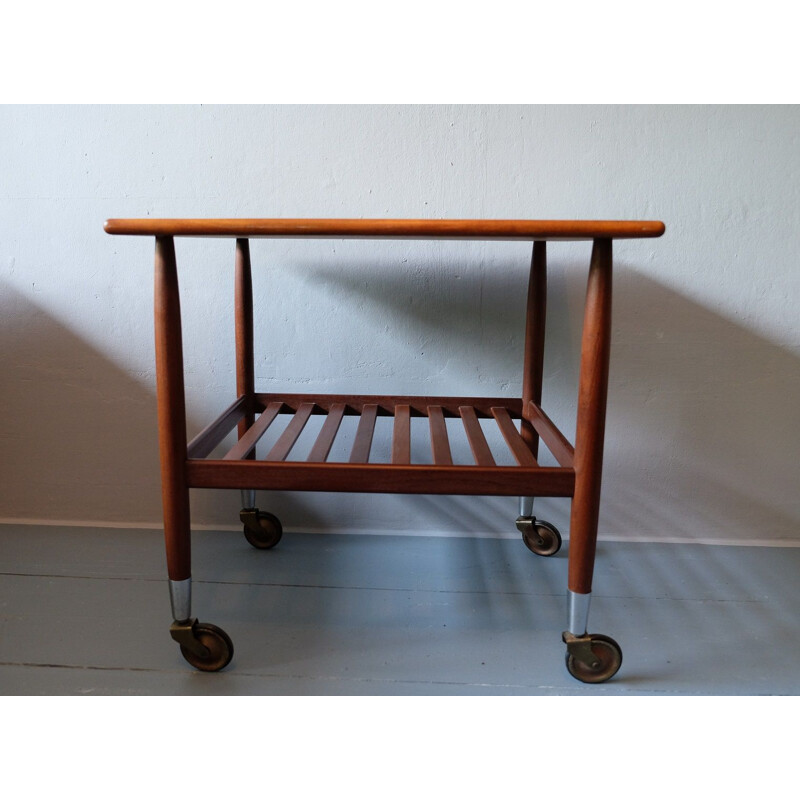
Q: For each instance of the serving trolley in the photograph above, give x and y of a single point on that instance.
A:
(523, 423)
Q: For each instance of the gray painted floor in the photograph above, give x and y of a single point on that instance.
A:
(86, 611)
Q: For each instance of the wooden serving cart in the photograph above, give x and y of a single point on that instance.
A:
(521, 420)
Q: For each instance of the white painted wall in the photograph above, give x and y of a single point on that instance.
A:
(703, 430)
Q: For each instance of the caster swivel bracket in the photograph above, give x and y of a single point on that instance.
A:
(580, 648)
(249, 518)
(527, 525)
(183, 634)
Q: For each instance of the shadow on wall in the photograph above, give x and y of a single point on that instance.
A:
(78, 433)
(702, 433)
(456, 328)
(704, 417)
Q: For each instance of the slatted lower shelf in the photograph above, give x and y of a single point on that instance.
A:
(238, 469)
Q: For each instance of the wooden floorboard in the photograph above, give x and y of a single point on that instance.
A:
(86, 611)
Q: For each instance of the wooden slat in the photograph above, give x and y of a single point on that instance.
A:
(556, 442)
(216, 431)
(387, 403)
(321, 448)
(287, 439)
(477, 441)
(401, 435)
(440, 444)
(524, 229)
(363, 440)
(388, 478)
(245, 445)
(513, 439)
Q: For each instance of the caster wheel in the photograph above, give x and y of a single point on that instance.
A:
(218, 644)
(540, 537)
(607, 660)
(262, 529)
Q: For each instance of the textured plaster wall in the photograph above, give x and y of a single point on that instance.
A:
(703, 428)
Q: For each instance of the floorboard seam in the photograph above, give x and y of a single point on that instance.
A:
(272, 676)
(611, 688)
(405, 590)
(200, 582)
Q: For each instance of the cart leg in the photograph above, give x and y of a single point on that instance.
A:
(245, 366)
(262, 529)
(535, 317)
(591, 658)
(172, 417)
(540, 537)
(203, 645)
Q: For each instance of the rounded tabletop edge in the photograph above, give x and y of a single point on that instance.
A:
(390, 228)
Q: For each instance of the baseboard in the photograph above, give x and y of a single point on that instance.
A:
(457, 534)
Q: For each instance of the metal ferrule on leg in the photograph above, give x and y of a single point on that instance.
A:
(180, 596)
(248, 498)
(578, 613)
(182, 629)
(578, 641)
(526, 506)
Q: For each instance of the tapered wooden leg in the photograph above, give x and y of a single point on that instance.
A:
(245, 371)
(171, 411)
(533, 362)
(590, 430)
(534, 341)
(245, 367)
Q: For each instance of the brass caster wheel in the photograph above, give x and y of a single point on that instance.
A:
(205, 646)
(592, 658)
(540, 537)
(262, 529)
